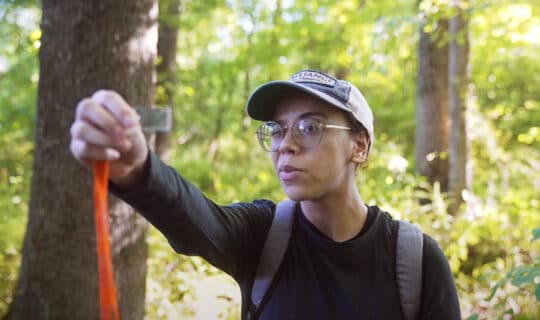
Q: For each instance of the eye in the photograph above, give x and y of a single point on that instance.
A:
(309, 127)
(273, 129)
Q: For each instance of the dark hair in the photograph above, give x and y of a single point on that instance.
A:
(358, 128)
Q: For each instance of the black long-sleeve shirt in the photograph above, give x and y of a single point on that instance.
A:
(318, 278)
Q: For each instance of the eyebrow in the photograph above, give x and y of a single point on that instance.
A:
(305, 115)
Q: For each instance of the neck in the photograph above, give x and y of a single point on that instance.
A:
(340, 217)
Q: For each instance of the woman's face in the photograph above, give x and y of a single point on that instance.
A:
(322, 170)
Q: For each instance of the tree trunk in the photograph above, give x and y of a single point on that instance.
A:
(432, 123)
(458, 84)
(167, 79)
(86, 45)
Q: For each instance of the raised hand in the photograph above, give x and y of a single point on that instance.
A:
(107, 128)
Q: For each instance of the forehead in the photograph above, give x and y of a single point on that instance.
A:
(296, 104)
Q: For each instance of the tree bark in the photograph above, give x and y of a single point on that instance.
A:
(458, 84)
(167, 68)
(432, 122)
(86, 45)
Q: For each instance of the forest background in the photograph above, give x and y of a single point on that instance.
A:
(224, 49)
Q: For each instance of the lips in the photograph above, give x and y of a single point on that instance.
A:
(289, 173)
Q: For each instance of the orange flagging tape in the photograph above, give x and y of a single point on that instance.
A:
(107, 290)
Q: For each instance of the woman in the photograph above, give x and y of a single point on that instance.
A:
(340, 259)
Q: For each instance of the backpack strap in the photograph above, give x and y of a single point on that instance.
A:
(409, 249)
(273, 250)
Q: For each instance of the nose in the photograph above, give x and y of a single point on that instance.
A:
(288, 144)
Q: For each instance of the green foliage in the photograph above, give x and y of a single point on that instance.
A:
(228, 48)
(375, 48)
(19, 42)
(13, 206)
(523, 276)
(180, 287)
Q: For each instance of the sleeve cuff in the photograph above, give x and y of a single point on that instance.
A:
(143, 187)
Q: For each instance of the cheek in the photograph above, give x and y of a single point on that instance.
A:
(335, 157)
(274, 156)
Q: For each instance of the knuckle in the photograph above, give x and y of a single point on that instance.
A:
(127, 112)
(77, 148)
(83, 106)
(73, 129)
(104, 95)
(73, 148)
(84, 149)
(77, 129)
(101, 93)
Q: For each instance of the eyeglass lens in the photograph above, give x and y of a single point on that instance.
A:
(306, 132)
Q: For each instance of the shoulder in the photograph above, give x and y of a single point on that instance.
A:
(433, 254)
(383, 220)
(258, 214)
(382, 215)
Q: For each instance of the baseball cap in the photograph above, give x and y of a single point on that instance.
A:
(338, 93)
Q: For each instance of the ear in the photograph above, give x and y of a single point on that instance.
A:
(360, 148)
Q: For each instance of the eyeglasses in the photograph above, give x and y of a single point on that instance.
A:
(307, 133)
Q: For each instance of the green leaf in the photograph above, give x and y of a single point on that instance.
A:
(538, 292)
(536, 234)
(473, 317)
(524, 275)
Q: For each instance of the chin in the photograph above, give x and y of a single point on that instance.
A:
(296, 194)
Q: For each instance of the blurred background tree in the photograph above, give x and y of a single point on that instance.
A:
(84, 47)
(225, 49)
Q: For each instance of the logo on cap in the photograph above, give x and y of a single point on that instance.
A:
(313, 77)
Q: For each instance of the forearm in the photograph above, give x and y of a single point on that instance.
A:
(192, 223)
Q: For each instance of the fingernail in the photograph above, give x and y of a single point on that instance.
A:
(113, 154)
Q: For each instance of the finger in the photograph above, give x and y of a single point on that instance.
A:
(84, 107)
(89, 110)
(118, 107)
(87, 153)
(82, 130)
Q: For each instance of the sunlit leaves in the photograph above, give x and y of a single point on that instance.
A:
(227, 48)
(19, 44)
(373, 44)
